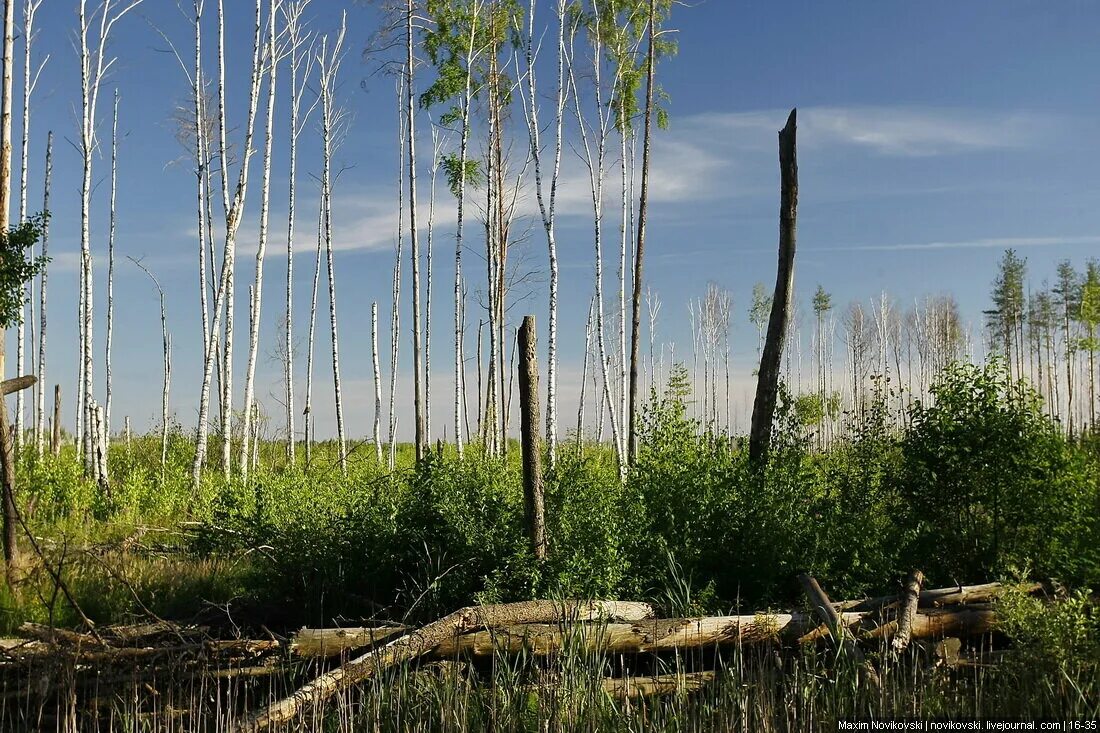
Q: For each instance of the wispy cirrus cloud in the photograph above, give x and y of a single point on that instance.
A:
(903, 131)
(980, 243)
(703, 157)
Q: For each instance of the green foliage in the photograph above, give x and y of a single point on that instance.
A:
(1061, 638)
(16, 268)
(975, 485)
(992, 484)
(455, 170)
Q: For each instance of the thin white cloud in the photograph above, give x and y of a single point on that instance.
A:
(984, 243)
(893, 131)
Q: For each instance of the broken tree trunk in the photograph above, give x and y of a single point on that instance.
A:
(334, 642)
(837, 628)
(908, 611)
(767, 383)
(423, 640)
(529, 431)
(7, 468)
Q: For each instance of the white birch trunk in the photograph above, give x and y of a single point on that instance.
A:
(377, 382)
(329, 66)
(234, 211)
(273, 58)
(414, 239)
(307, 413)
(111, 270)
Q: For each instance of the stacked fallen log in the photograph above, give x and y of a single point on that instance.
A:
(344, 657)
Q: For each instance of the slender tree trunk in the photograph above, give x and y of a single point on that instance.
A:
(463, 154)
(547, 206)
(300, 65)
(7, 459)
(261, 249)
(166, 363)
(111, 270)
(584, 371)
(329, 119)
(41, 412)
(55, 438)
(377, 432)
(763, 411)
(29, 9)
(311, 340)
(395, 309)
(639, 253)
(234, 210)
(428, 290)
(414, 240)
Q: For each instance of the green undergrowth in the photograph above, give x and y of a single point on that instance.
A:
(977, 485)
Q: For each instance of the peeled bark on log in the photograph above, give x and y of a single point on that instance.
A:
(334, 642)
(940, 624)
(940, 597)
(908, 611)
(651, 635)
(423, 640)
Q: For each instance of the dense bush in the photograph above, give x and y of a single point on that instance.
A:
(975, 485)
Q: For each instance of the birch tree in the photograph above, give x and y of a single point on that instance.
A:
(333, 121)
(234, 211)
(301, 56)
(377, 432)
(273, 54)
(307, 413)
(40, 437)
(453, 46)
(94, 34)
(111, 269)
(30, 81)
(594, 134)
(414, 237)
(547, 200)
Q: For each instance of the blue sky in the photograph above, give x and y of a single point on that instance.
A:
(932, 136)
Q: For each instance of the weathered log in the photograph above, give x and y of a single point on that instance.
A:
(423, 640)
(839, 631)
(939, 597)
(334, 642)
(55, 635)
(625, 688)
(908, 612)
(656, 635)
(940, 624)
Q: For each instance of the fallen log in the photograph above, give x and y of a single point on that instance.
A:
(940, 597)
(421, 641)
(940, 624)
(628, 688)
(334, 642)
(657, 635)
